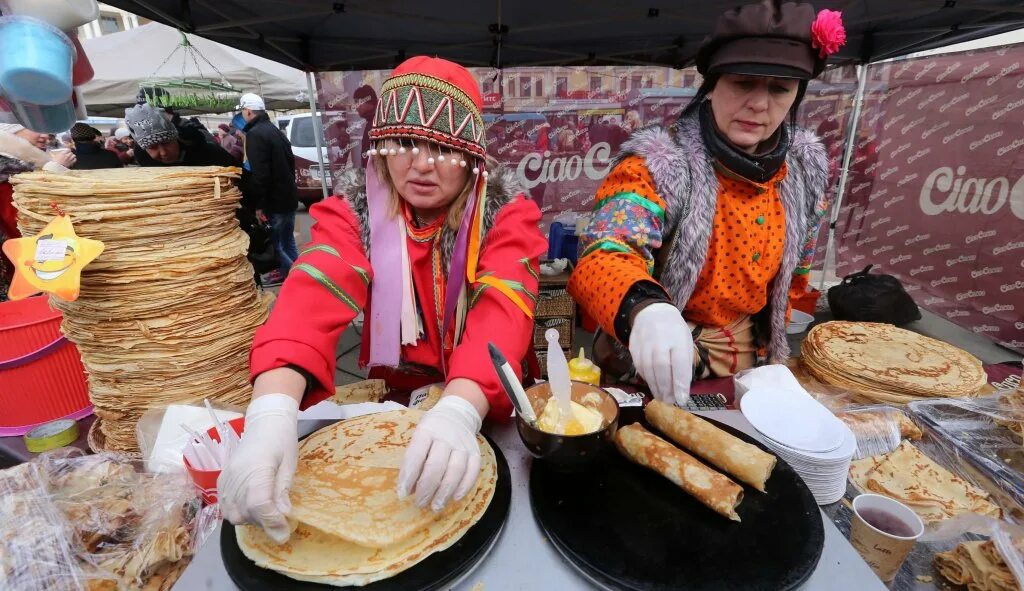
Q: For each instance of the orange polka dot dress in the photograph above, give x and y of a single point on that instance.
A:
(744, 252)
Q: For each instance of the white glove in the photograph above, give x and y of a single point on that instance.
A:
(662, 350)
(253, 488)
(443, 457)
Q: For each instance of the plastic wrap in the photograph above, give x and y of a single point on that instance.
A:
(119, 527)
(1007, 538)
(878, 428)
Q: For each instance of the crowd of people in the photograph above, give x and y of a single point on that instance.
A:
(153, 136)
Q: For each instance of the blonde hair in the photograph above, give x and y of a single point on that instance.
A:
(454, 217)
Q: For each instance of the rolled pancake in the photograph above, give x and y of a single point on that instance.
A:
(914, 479)
(976, 565)
(745, 462)
(315, 556)
(346, 481)
(702, 483)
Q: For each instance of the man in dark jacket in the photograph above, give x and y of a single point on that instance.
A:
(161, 146)
(91, 155)
(268, 180)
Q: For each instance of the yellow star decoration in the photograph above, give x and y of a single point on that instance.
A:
(52, 261)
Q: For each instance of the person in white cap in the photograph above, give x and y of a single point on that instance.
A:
(268, 181)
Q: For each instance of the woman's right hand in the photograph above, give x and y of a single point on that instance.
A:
(65, 158)
(253, 487)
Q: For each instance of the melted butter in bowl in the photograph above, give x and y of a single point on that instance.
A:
(577, 442)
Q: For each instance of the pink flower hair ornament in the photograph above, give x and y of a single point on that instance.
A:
(828, 33)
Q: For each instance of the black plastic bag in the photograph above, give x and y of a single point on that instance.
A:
(863, 297)
(261, 248)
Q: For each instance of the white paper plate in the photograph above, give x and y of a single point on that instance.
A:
(797, 422)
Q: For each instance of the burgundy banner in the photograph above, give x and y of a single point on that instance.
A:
(936, 191)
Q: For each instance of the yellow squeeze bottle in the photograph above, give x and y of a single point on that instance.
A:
(582, 369)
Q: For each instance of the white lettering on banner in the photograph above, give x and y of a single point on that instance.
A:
(910, 95)
(860, 159)
(918, 155)
(981, 105)
(879, 222)
(1002, 73)
(988, 138)
(893, 121)
(872, 168)
(843, 249)
(937, 248)
(897, 230)
(986, 328)
(957, 133)
(882, 144)
(900, 259)
(882, 249)
(908, 288)
(949, 70)
(931, 99)
(867, 241)
(565, 169)
(851, 233)
(1007, 109)
(1020, 84)
(916, 239)
(907, 179)
(906, 128)
(970, 195)
(893, 201)
(819, 110)
(1019, 325)
(857, 258)
(889, 172)
(953, 101)
(900, 150)
(860, 187)
(872, 120)
(974, 73)
(878, 194)
(1013, 344)
(964, 258)
(1010, 147)
(902, 69)
(921, 269)
(1011, 286)
(867, 140)
(931, 130)
(933, 301)
(570, 195)
(957, 313)
(979, 236)
(998, 308)
(1007, 247)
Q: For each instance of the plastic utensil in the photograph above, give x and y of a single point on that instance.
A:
(66, 15)
(37, 62)
(513, 388)
(558, 375)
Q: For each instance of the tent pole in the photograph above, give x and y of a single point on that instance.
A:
(851, 141)
(318, 128)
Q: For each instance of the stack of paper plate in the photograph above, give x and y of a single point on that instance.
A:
(806, 435)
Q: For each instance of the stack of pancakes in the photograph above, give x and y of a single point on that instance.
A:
(350, 527)
(167, 313)
(882, 363)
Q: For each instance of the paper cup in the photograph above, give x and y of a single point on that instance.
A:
(205, 481)
(883, 551)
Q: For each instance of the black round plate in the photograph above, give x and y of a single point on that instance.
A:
(437, 571)
(626, 527)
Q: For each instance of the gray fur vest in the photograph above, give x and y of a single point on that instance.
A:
(502, 188)
(684, 175)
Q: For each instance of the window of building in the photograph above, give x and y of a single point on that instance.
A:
(636, 82)
(538, 87)
(623, 85)
(525, 86)
(595, 84)
(488, 87)
(110, 23)
(562, 86)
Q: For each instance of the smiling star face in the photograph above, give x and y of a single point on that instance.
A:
(50, 262)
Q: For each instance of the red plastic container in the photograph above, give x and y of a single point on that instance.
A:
(206, 480)
(41, 373)
(82, 71)
(807, 302)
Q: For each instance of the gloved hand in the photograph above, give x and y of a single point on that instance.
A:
(662, 348)
(443, 457)
(253, 487)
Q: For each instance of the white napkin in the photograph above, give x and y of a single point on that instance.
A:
(768, 377)
(171, 438)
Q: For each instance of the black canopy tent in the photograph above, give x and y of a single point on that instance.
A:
(319, 35)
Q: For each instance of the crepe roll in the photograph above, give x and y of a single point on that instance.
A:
(745, 462)
(702, 483)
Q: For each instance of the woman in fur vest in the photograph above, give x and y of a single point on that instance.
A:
(443, 257)
(703, 229)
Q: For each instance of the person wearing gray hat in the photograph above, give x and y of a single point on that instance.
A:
(162, 146)
(705, 228)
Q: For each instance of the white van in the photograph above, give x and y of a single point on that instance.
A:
(299, 131)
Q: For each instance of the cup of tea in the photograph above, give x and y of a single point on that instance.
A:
(884, 531)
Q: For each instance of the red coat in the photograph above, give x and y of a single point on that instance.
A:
(329, 285)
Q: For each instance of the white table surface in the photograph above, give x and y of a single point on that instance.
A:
(522, 543)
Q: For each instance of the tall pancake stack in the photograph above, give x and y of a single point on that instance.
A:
(168, 311)
(352, 528)
(882, 363)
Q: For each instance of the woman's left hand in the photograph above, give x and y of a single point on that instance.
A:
(443, 459)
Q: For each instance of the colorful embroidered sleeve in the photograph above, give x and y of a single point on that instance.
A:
(511, 254)
(326, 288)
(619, 244)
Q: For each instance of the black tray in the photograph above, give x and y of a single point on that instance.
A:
(626, 527)
(437, 571)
